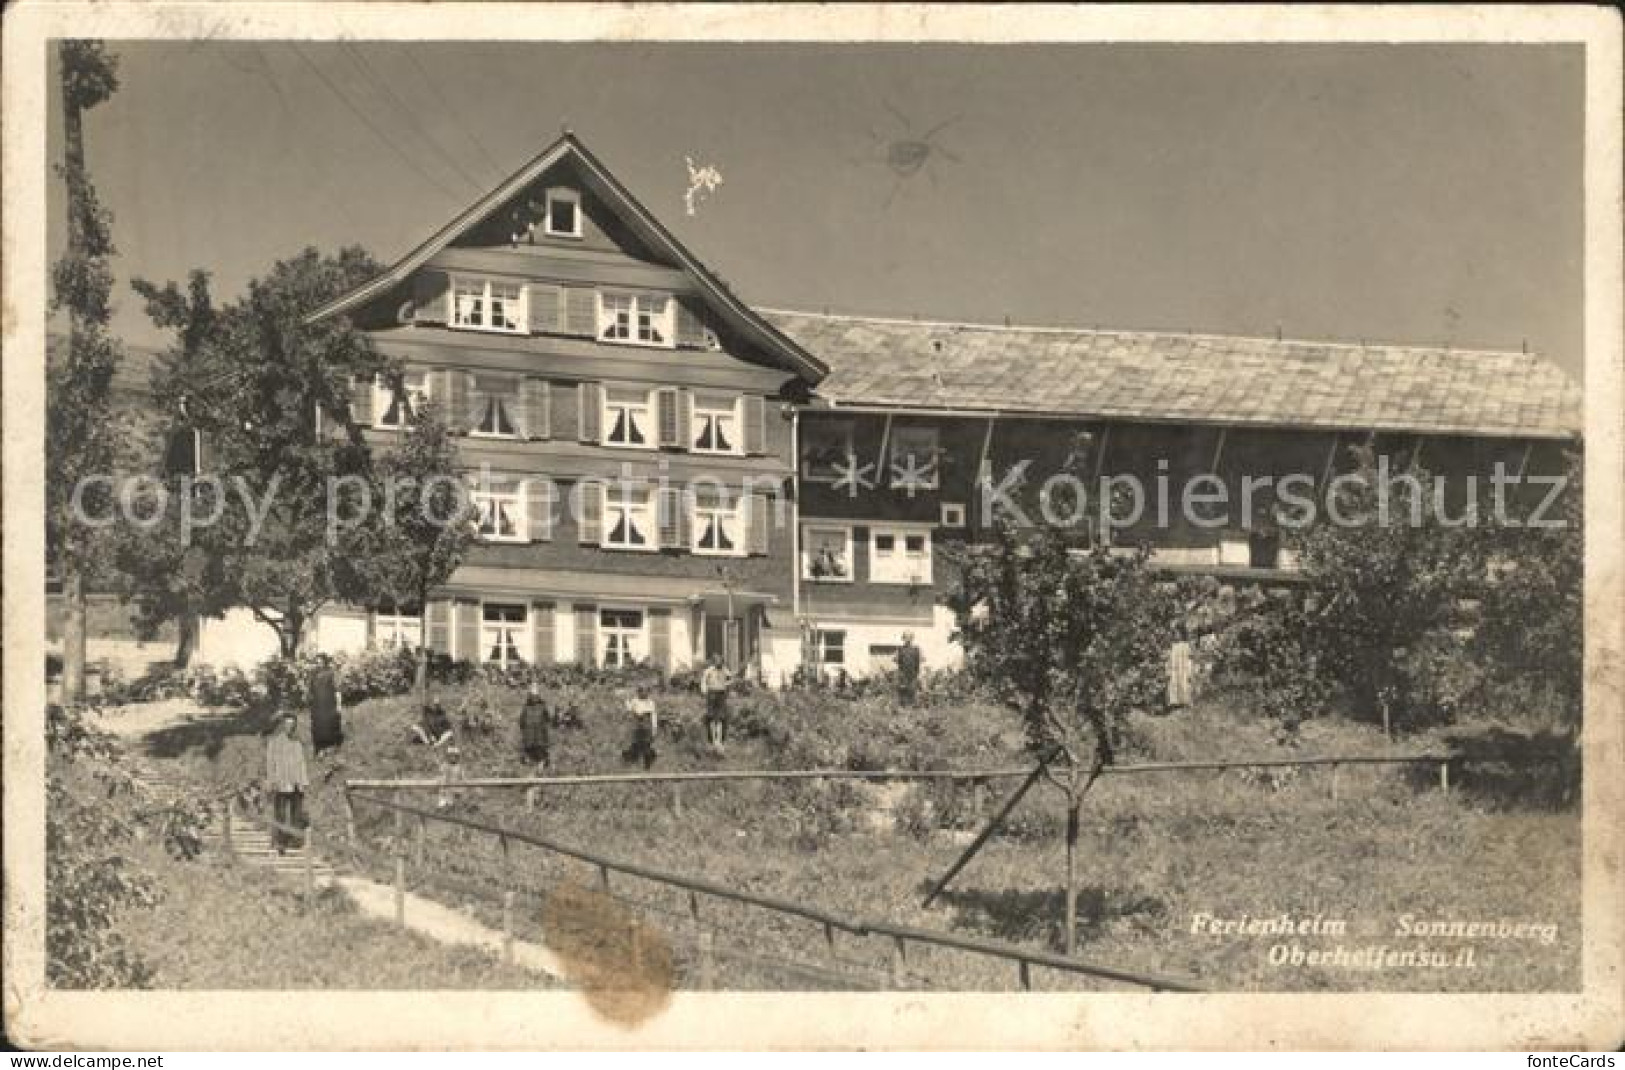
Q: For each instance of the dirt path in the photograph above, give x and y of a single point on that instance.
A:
(444, 924)
(434, 920)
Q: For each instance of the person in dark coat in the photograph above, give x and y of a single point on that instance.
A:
(535, 728)
(326, 708)
(908, 671)
(434, 727)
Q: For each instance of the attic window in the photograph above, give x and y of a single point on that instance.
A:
(563, 218)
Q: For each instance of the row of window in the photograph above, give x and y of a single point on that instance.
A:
(896, 555)
(911, 456)
(702, 422)
(505, 636)
(621, 317)
(619, 518)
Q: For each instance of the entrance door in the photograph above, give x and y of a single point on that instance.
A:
(724, 637)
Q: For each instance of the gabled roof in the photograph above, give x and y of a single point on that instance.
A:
(1186, 378)
(631, 212)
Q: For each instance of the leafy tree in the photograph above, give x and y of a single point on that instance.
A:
(1386, 585)
(168, 577)
(1072, 639)
(418, 529)
(82, 437)
(1532, 600)
(270, 393)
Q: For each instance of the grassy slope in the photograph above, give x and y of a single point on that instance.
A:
(235, 927)
(1157, 848)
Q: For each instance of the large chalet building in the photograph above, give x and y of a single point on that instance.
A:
(663, 473)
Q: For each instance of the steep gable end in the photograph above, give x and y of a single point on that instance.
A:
(565, 204)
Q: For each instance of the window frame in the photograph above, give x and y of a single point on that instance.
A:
(949, 510)
(705, 406)
(635, 300)
(848, 432)
(736, 514)
(651, 417)
(487, 283)
(477, 492)
(397, 624)
(518, 641)
(821, 637)
(510, 404)
(650, 526)
(898, 434)
(637, 648)
(562, 194)
(889, 568)
(807, 531)
(417, 398)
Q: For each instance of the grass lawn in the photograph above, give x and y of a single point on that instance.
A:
(1159, 850)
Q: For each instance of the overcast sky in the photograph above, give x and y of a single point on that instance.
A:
(1395, 193)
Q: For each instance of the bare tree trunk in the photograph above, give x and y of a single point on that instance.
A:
(73, 635)
(187, 625)
(420, 681)
(1074, 804)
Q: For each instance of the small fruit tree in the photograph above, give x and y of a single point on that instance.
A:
(1071, 638)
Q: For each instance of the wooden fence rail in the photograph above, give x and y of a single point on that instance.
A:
(1007, 773)
(902, 936)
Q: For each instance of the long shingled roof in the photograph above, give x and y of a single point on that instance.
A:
(1136, 375)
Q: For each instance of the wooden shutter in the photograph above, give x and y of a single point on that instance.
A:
(437, 621)
(757, 513)
(755, 424)
(667, 407)
(690, 328)
(590, 521)
(660, 638)
(431, 297)
(536, 407)
(454, 385)
(672, 518)
(685, 418)
(468, 631)
(205, 451)
(546, 308)
(544, 650)
(581, 311)
(590, 411)
(538, 508)
(586, 635)
(361, 400)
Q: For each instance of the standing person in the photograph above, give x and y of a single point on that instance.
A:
(326, 708)
(1179, 670)
(645, 721)
(286, 777)
(908, 671)
(536, 728)
(714, 684)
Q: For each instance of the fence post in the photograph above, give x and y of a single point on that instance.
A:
(310, 862)
(1026, 975)
(708, 968)
(530, 797)
(899, 961)
(507, 926)
(1444, 777)
(677, 799)
(634, 937)
(226, 833)
(603, 878)
(422, 839)
(349, 816)
(1334, 782)
(400, 889)
(693, 905)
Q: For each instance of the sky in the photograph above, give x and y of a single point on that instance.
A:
(1402, 193)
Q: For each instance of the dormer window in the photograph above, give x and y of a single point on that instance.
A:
(563, 218)
(489, 305)
(637, 319)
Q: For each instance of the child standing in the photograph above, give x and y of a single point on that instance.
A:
(645, 721)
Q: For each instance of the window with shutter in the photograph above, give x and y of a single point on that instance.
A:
(629, 418)
(456, 395)
(589, 510)
(546, 307)
(755, 425)
(758, 515)
(361, 401)
(667, 403)
(589, 411)
(660, 638)
(431, 297)
(543, 633)
(586, 621)
(629, 522)
(673, 519)
(715, 426)
(499, 509)
(690, 328)
(398, 406)
(581, 311)
(539, 496)
(480, 304)
(536, 408)
(494, 407)
(718, 525)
